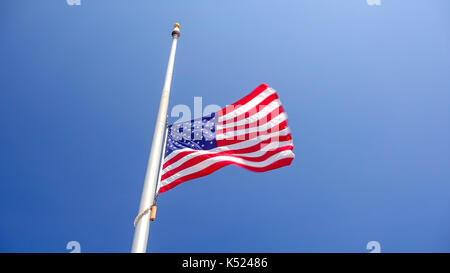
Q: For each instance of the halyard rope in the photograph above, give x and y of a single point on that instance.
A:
(140, 215)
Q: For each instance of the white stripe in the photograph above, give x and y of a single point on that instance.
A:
(255, 117)
(268, 147)
(263, 128)
(206, 163)
(249, 105)
(236, 146)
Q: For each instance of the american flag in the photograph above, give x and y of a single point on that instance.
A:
(251, 133)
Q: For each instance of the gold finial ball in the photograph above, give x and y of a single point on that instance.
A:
(176, 30)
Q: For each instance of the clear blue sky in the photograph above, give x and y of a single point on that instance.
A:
(366, 88)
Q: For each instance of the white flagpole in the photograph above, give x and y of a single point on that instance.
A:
(158, 182)
(148, 192)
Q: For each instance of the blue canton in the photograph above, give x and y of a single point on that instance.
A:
(197, 134)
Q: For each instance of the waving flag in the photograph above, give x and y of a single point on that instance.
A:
(251, 133)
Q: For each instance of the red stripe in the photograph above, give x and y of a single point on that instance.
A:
(178, 157)
(244, 100)
(263, 120)
(275, 165)
(195, 160)
(260, 106)
(250, 149)
(236, 139)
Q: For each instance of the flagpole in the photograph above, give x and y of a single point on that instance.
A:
(158, 182)
(142, 221)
